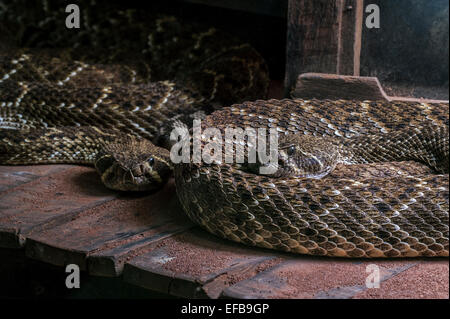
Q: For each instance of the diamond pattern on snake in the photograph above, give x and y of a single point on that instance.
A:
(354, 178)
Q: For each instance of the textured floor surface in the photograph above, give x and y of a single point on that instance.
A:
(61, 214)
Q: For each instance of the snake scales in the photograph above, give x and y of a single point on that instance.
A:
(106, 111)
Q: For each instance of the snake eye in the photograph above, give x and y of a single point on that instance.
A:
(291, 150)
(151, 161)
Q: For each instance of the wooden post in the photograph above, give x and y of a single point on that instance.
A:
(349, 37)
(323, 36)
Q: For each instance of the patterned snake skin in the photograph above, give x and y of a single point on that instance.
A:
(105, 111)
(368, 210)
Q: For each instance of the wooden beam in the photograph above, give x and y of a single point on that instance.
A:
(298, 278)
(323, 37)
(349, 36)
(196, 264)
(336, 87)
(311, 39)
(32, 204)
(358, 37)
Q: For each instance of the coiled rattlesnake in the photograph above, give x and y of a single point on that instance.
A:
(54, 109)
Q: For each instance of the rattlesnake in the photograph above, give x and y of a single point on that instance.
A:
(58, 110)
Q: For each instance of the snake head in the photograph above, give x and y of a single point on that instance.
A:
(133, 165)
(306, 156)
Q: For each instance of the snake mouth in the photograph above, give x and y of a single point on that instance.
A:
(139, 183)
(139, 178)
(121, 178)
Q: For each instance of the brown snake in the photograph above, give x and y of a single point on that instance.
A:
(361, 195)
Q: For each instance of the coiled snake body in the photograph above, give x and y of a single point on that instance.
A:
(56, 110)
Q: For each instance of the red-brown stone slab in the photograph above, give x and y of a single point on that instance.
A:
(11, 176)
(196, 264)
(47, 200)
(308, 277)
(427, 280)
(110, 233)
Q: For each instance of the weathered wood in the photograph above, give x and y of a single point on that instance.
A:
(110, 262)
(349, 37)
(108, 234)
(59, 196)
(335, 87)
(312, 40)
(215, 287)
(195, 264)
(323, 37)
(314, 278)
(12, 176)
